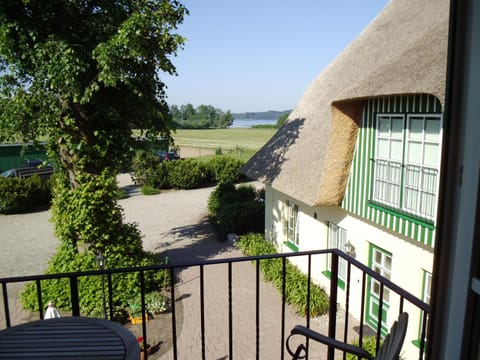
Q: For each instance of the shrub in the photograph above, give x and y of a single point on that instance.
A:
(19, 195)
(239, 210)
(296, 282)
(224, 169)
(150, 171)
(241, 217)
(369, 343)
(185, 174)
(150, 190)
(214, 200)
(144, 165)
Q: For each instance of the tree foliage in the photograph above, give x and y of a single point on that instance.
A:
(202, 117)
(281, 120)
(85, 74)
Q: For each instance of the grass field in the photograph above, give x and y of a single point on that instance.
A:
(242, 141)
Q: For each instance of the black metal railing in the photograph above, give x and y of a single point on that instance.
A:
(312, 270)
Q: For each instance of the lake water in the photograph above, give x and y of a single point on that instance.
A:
(247, 123)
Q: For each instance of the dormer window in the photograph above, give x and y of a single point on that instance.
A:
(407, 162)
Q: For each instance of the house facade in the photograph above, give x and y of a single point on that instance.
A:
(356, 166)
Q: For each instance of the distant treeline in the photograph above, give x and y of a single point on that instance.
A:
(207, 116)
(201, 117)
(271, 114)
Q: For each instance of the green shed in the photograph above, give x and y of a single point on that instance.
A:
(14, 155)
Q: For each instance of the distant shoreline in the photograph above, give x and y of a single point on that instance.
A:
(248, 123)
(263, 115)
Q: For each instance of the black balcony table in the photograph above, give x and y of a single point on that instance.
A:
(73, 338)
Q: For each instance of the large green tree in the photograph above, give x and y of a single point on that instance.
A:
(84, 74)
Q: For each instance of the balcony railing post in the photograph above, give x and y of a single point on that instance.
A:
(39, 298)
(230, 312)
(5, 304)
(332, 311)
(174, 315)
(74, 296)
(202, 311)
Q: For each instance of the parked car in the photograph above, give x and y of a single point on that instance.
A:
(33, 162)
(9, 173)
(44, 172)
(167, 155)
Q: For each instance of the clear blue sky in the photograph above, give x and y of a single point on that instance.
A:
(259, 55)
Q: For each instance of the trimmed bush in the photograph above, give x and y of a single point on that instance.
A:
(18, 195)
(222, 169)
(148, 170)
(241, 217)
(215, 198)
(236, 210)
(185, 174)
(296, 282)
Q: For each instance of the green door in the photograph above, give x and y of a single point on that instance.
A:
(381, 262)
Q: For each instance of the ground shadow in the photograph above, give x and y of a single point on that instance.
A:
(204, 244)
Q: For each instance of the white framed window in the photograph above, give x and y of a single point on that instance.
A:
(292, 223)
(337, 238)
(407, 161)
(381, 264)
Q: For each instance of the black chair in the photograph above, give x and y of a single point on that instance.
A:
(390, 349)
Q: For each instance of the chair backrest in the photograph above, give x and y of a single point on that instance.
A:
(392, 344)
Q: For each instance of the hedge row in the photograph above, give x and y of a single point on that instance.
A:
(296, 282)
(18, 195)
(148, 170)
(236, 210)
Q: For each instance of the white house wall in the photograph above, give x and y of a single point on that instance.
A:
(409, 257)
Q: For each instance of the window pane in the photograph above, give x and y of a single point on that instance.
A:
(396, 150)
(342, 239)
(383, 126)
(430, 156)
(416, 128)
(412, 176)
(414, 153)
(397, 127)
(432, 129)
(430, 180)
(383, 149)
(386, 295)
(388, 262)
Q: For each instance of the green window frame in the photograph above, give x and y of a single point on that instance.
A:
(407, 162)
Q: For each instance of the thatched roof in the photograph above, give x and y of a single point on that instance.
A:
(403, 51)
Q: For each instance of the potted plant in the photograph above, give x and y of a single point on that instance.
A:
(143, 347)
(135, 313)
(156, 302)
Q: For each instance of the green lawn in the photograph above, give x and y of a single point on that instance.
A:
(239, 140)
